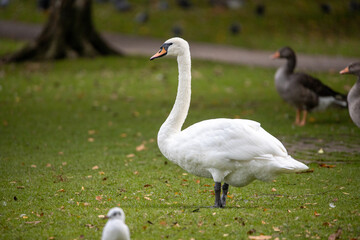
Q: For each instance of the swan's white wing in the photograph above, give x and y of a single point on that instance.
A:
(234, 139)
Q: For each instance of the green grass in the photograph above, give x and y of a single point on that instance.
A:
(300, 24)
(58, 120)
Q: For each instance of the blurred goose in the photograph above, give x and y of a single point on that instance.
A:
(115, 228)
(233, 151)
(303, 91)
(353, 97)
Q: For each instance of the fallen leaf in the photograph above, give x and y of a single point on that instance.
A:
(326, 165)
(321, 151)
(130, 155)
(91, 132)
(101, 173)
(141, 147)
(136, 172)
(48, 165)
(123, 135)
(33, 166)
(20, 187)
(64, 163)
(34, 222)
(261, 237)
(316, 214)
(307, 171)
(273, 189)
(163, 223)
(91, 139)
(263, 222)
(336, 235)
(95, 167)
(89, 225)
(147, 185)
(61, 190)
(101, 216)
(225, 235)
(147, 198)
(276, 229)
(98, 198)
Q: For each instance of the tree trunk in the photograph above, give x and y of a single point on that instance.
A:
(68, 33)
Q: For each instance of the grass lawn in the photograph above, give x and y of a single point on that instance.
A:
(300, 24)
(78, 137)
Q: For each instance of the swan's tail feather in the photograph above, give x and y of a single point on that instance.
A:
(288, 164)
(271, 166)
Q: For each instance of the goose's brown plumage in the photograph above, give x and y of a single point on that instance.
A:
(301, 90)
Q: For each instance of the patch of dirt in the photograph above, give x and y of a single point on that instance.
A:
(320, 150)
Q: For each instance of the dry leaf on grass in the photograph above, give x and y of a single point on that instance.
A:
(34, 222)
(261, 237)
(95, 167)
(323, 165)
(336, 235)
(141, 147)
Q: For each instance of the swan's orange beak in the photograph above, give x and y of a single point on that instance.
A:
(345, 70)
(275, 55)
(160, 53)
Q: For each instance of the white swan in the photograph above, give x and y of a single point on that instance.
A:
(232, 151)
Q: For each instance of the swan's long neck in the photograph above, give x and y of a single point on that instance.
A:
(178, 114)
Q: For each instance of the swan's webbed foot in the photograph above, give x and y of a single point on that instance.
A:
(220, 202)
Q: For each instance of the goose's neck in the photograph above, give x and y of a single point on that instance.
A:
(178, 114)
(290, 64)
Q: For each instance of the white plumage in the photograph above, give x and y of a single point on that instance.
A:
(115, 228)
(233, 151)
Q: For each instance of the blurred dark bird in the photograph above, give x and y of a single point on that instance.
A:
(142, 17)
(325, 8)
(4, 3)
(354, 6)
(184, 4)
(177, 31)
(235, 28)
(122, 5)
(353, 97)
(234, 4)
(260, 10)
(163, 5)
(301, 90)
(43, 5)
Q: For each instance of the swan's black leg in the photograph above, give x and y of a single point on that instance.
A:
(225, 189)
(217, 189)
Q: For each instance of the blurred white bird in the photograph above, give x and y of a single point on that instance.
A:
(115, 228)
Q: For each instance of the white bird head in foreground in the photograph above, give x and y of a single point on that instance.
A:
(115, 228)
(116, 213)
(172, 47)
